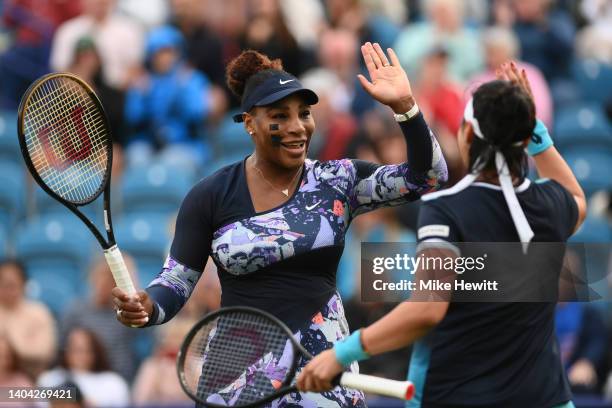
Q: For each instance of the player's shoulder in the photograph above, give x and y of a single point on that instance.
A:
(216, 183)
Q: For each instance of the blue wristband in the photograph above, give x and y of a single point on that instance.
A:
(350, 349)
(540, 139)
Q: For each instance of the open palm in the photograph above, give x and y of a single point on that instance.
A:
(388, 83)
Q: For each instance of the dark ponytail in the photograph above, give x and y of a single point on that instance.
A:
(506, 116)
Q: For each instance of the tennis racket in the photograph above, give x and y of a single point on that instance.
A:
(245, 357)
(65, 141)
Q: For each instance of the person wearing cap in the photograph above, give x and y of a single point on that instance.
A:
(274, 223)
(481, 354)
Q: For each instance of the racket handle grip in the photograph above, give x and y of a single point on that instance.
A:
(403, 390)
(120, 272)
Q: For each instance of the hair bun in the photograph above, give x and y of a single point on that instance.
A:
(244, 66)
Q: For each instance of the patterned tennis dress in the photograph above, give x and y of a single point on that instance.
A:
(284, 260)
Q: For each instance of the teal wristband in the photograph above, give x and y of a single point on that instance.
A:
(350, 349)
(540, 139)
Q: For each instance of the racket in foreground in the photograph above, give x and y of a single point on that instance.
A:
(245, 357)
(65, 141)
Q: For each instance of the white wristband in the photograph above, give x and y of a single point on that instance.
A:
(402, 117)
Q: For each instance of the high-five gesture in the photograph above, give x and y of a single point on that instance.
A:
(388, 83)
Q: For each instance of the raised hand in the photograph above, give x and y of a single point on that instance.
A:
(388, 82)
(509, 71)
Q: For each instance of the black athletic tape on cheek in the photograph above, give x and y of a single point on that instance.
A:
(276, 140)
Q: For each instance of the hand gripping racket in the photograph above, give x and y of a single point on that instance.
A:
(245, 357)
(65, 141)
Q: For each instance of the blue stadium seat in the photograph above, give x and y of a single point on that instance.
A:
(4, 247)
(231, 138)
(582, 124)
(47, 205)
(9, 143)
(155, 188)
(594, 229)
(12, 194)
(54, 242)
(592, 167)
(146, 237)
(594, 79)
(222, 162)
(54, 287)
(591, 245)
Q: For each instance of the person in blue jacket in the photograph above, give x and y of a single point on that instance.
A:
(166, 106)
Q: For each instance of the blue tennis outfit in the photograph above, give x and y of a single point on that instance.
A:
(493, 354)
(284, 260)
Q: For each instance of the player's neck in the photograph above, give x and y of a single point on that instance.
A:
(493, 178)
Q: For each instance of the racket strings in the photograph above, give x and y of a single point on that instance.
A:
(238, 359)
(67, 139)
(81, 175)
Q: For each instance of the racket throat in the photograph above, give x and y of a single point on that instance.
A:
(107, 226)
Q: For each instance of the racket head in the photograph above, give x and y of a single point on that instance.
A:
(65, 138)
(238, 357)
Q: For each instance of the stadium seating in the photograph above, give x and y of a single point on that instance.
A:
(592, 167)
(593, 79)
(56, 241)
(9, 143)
(54, 287)
(146, 237)
(56, 250)
(155, 188)
(231, 138)
(582, 125)
(12, 195)
(45, 204)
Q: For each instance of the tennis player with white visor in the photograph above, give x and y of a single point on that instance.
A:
(477, 354)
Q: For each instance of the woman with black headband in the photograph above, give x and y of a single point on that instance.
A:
(482, 354)
(274, 223)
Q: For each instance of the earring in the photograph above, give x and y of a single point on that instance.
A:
(251, 132)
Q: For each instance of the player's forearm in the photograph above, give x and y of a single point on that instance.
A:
(423, 151)
(406, 323)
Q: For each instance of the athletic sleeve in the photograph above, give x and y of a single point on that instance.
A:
(565, 206)
(189, 252)
(376, 186)
(436, 228)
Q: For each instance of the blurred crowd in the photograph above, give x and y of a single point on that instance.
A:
(158, 67)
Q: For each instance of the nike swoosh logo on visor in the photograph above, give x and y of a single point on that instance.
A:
(280, 81)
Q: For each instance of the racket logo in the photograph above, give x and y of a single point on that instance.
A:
(65, 151)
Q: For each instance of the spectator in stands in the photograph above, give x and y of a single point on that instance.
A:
(204, 49)
(336, 127)
(439, 97)
(595, 40)
(119, 41)
(87, 64)
(157, 382)
(28, 325)
(84, 360)
(167, 105)
(582, 343)
(444, 26)
(33, 23)
(97, 315)
(267, 32)
(375, 20)
(11, 373)
(546, 36)
(501, 45)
